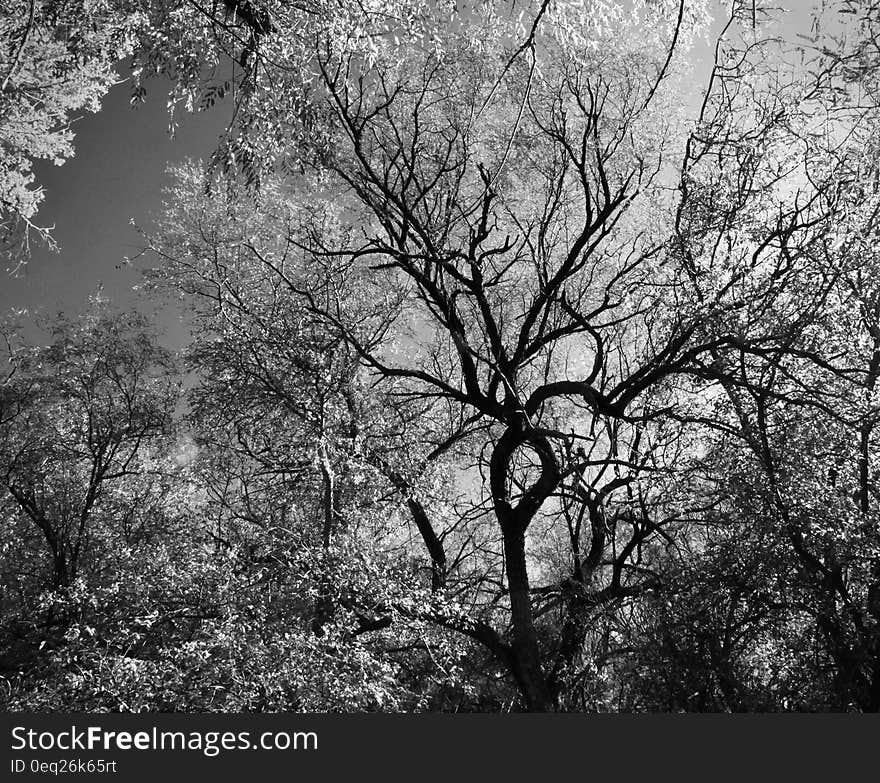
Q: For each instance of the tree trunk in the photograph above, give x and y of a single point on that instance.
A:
(864, 476)
(526, 655)
(324, 606)
(62, 575)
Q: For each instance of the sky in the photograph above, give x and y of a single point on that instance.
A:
(116, 175)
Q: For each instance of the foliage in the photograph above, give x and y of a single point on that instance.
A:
(520, 378)
(56, 59)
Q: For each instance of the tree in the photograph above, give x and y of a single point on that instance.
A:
(796, 424)
(88, 409)
(423, 155)
(302, 457)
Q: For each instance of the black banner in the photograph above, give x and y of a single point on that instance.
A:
(465, 747)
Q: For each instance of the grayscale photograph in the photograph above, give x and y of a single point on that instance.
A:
(437, 356)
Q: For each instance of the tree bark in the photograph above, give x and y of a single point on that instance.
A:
(526, 656)
(864, 477)
(324, 607)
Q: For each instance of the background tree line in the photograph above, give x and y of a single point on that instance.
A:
(533, 366)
